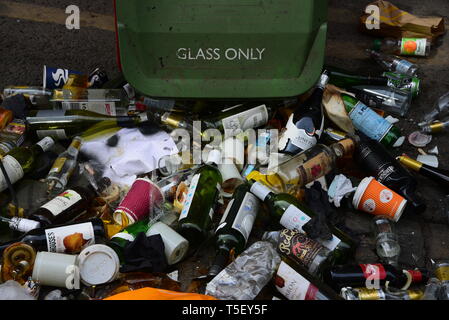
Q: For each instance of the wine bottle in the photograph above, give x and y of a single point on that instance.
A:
(67, 238)
(376, 161)
(38, 97)
(65, 207)
(404, 47)
(311, 164)
(305, 126)
(287, 211)
(441, 176)
(235, 227)
(388, 99)
(358, 276)
(60, 124)
(394, 63)
(112, 102)
(22, 160)
(295, 283)
(380, 294)
(63, 168)
(197, 213)
(370, 123)
(345, 79)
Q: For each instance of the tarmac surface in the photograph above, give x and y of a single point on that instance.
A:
(33, 34)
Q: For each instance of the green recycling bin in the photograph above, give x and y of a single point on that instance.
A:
(221, 49)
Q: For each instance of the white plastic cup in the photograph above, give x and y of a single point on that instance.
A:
(98, 264)
(56, 270)
(176, 246)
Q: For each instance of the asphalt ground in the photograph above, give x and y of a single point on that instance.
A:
(33, 34)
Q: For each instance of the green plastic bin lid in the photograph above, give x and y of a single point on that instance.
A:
(222, 48)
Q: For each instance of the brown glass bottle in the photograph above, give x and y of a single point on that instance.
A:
(65, 207)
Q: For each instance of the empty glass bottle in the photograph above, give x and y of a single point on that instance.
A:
(405, 46)
(387, 244)
(394, 63)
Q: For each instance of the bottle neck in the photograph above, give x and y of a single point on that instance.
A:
(221, 259)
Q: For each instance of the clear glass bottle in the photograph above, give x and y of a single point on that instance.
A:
(404, 46)
(394, 63)
(63, 168)
(387, 244)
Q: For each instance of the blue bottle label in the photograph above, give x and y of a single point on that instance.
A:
(369, 122)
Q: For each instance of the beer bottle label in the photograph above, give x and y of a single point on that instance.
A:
(314, 168)
(70, 239)
(13, 169)
(293, 285)
(413, 47)
(62, 202)
(58, 165)
(293, 218)
(299, 247)
(189, 197)
(369, 122)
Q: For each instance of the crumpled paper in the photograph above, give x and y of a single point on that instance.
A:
(339, 188)
(335, 108)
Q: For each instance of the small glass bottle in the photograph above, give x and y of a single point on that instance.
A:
(387, 244)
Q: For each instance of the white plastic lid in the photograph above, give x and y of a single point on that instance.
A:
(98, 264)
(360, 191)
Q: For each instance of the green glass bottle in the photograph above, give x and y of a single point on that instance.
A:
(370, 123)
(287, 211)
(197, 213)
(22, 160)
(60, 124)
(129, 234)
(235, 227)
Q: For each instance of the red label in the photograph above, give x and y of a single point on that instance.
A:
(311, 292)
(373, 271)
(140, 199)
(416, 275)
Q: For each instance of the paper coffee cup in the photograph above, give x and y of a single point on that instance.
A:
(176, 246)
(56, 270)
(373, 197)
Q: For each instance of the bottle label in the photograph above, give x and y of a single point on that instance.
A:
(58, 134)
(260, 191)
(246, 215)
(253, 118)
(124, 236)
(223, 223)
(373, 271)
(313, 168)
(13, 169)
(369, 122)
(107, 108)
(46, 143)
(189, 197)
(413, 46)
(293, 285)
(58, 165)
(293, 218)
(403, 66)
(298, 137)
(299, 247)
(62, 202)
(70, 239)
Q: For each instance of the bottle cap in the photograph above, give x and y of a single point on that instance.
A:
(98, 264)
(176, 246)
(377, 44)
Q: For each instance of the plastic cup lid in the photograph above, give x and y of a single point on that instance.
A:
(360, 191)
(419, 139)
(98, 264)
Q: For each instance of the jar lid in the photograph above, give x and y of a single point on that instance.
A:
(98, 264)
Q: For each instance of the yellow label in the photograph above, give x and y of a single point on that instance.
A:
(369, 294)
(57, 165)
